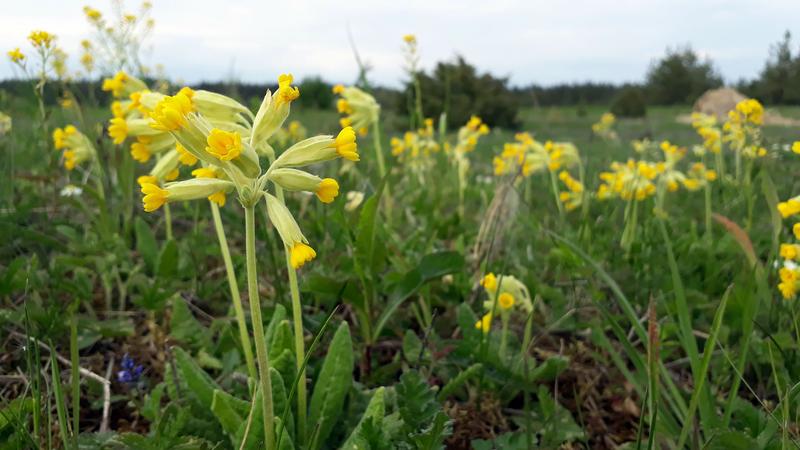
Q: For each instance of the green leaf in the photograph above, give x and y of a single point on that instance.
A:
(168, 260)
(199, 382)
(433, 436)
(376, 409)
(230, 411)
(333, 382)
(281, 338)
(459, 380)
(184, 327)
(146, 243)
(431, 266)
(365, 233)
(438, 264)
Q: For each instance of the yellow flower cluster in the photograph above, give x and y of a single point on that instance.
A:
(604, 128)
(527, 156)
(415, 148)
(507, 292)
(789, 273)
(41, 39)
(76, 147)
(706, 127)
(216, 131)
(573, 197)
(743, 129)
(360, 109)
(630, 181)
(469, 134)
(293, 133)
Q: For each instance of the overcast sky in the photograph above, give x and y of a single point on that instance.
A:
(543, 42)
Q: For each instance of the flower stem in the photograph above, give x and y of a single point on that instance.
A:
(258, 327)
(235, 296)
(299, 343)
(168, 220)
(376, 138)
(75, 376)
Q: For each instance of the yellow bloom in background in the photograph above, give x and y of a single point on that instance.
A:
(224, 145)
(360, 108)
(186, 158)
(796, 147)
(300, 254)
(485, 323)
(16, 55)
(146, 179)
(204, 172)
(92, 14)
(790, 251)
(218, 198)
(796, 230)
(410, 39)
(790, 207)
(489, 282)
(41, 39)
(140, 150)
(505, 300)
(118, 130)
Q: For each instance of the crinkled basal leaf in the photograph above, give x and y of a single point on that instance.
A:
(376, 408)
(199, 382)
(230, 411)
(333, 382)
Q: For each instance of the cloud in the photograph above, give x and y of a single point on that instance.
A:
(531, 41)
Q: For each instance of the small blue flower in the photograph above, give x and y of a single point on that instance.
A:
(131, 372)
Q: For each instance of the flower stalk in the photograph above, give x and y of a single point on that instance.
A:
(235, 295)
(258, 328)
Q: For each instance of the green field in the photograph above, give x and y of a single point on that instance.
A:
(674, 337)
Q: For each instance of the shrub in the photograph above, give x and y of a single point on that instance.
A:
(457, 88)
(680, 77)
(630, 102)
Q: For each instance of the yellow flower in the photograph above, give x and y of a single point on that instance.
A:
(218, 198)
(204, 172)
(286, 93)
(338, 89)
(41, 39)
(485, 324)
(186, 158)
(224, 145)
(118, 130)
(796, 230)
(146, 179)
(489, 282)
(790, 251)
(16, 55)
(170, 112)
(345, 144)
(172, 175)
(154, 197)
(92, 14)
(300, 254)
(506, 300)
(789, 207)
(410, 39)
(327, 190)
(795, 146)
(140, 150)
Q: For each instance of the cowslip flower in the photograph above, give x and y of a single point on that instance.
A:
(16, 56)
(230, 161)
(41, 39)
(77, 148)
(508, 291)
(122, 85)
(360, 109)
